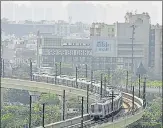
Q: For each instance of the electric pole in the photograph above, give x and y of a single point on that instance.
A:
(3, 67)
(132, 59)
(101, 87)
(144, 93)
(87, 97)
(139, 85)
(91, 80)
(31, 70)
(109, 76)
(105, 86)
(86, 71)
(30, 110)
(82, 114)
(55, 73)
(63, 104)
(112, 105)
(127, 82)
(43, 115)
(60, 72)
(133, 101)
(76, 77)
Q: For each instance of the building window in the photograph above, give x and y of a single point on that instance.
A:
(112, 29)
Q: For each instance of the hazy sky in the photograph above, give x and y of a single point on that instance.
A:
(101, 11)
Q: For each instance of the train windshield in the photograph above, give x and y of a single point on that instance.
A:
(92, 108)
(100, 108)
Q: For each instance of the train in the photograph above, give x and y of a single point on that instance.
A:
(70, 81)
(99, 109)
(103, 108)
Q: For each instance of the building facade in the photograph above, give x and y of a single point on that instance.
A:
(109, 46)
(122, 33)
(158, 50)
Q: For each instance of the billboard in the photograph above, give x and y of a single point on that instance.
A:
(106, 48)
(103, 46)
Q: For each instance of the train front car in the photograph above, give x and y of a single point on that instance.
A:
(97, 111)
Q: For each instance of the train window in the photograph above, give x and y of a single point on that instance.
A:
(100, 108)
(92, 108)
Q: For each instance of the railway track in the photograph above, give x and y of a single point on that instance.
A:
(94, 124)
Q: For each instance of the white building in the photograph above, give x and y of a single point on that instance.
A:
(158, 50)
(122, 33)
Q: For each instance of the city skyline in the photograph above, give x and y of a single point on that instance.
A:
(97, 13)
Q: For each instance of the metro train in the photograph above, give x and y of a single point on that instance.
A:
(70, 81)
(103, 108)
(100, 109)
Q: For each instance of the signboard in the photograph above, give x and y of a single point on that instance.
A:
(68, 52)
(105, 48)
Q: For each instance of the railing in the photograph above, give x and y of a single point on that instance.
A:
(118, 123)
(121, 122)
(127, 119)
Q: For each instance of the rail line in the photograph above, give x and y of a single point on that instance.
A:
(93, 124)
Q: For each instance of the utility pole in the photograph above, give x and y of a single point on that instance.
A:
(87, 97)
(30, 110)
(133, 101)
(31, 70)
(105, 86)
(109, 76)
(91, 80)
(43, 115)
(76, 77)
(55, 73)
(3, 67)
(112, 105)
(127, 82)
(133, 32)
(144, 93)
(82, 114)
(86, 71)
(60, 72)
(63, 104)
(101, 87)
(132, 59)
(139, 85)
